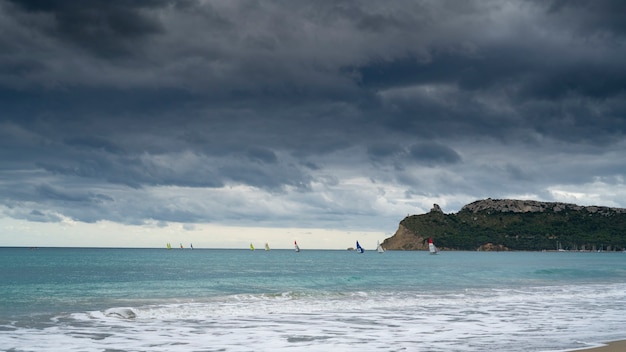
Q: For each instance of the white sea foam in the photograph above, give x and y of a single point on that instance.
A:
(531, 319)
(121, 312)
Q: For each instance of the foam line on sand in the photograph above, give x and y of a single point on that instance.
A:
(615, 346)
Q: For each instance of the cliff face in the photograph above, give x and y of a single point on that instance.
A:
(509, 224)
(405, 239)
(410, 237)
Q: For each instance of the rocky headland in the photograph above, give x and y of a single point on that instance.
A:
(510, 224)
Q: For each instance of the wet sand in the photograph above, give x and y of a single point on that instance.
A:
(616, 346)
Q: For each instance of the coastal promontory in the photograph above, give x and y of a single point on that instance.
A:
(510, 224)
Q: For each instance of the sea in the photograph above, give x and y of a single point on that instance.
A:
(109, 300)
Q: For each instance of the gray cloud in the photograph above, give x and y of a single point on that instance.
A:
(106, 105)
(433, 154)
(262, 155)
(105, 28)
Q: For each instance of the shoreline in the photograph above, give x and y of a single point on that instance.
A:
(613, 346)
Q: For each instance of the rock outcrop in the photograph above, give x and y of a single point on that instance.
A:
(533, 206)
(436, 209)
(490, 247)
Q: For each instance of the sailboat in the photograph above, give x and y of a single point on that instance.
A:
(267, 246)
(359, 248)
(168, 245)
(431, 247)
(295, 245)
(379, 248)
(251, 247)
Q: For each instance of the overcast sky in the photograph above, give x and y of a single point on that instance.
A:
(312, 116)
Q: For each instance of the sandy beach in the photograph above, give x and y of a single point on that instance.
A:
(616, 346)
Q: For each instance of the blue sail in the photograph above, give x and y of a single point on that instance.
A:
(359, 248)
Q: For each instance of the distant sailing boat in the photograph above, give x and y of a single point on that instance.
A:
(168, 245)
(295, 244)
(191, 245)
(379, 248)
(267, 246)
(181, 246)
(251, 247)
(359, 248)
(431, 247)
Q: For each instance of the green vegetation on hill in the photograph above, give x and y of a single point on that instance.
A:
(568, 227)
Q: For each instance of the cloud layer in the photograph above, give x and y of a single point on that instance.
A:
(335, 114)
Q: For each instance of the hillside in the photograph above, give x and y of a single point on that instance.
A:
(507, 224)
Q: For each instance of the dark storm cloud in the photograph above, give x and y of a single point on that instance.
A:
(287, 96)
(48, 192)
(94, 142)
(592, 16)
(105, 28)
(38, 216)
(262, 155)
(433, 154)
(134, 172)
(383, 151)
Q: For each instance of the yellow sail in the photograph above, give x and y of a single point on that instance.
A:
(251, 247)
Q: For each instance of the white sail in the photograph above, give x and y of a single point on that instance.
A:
(431, 247)
(267, 246)
(295, 245)
(379, 248)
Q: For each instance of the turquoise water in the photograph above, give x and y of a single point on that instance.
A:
(238, 300)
